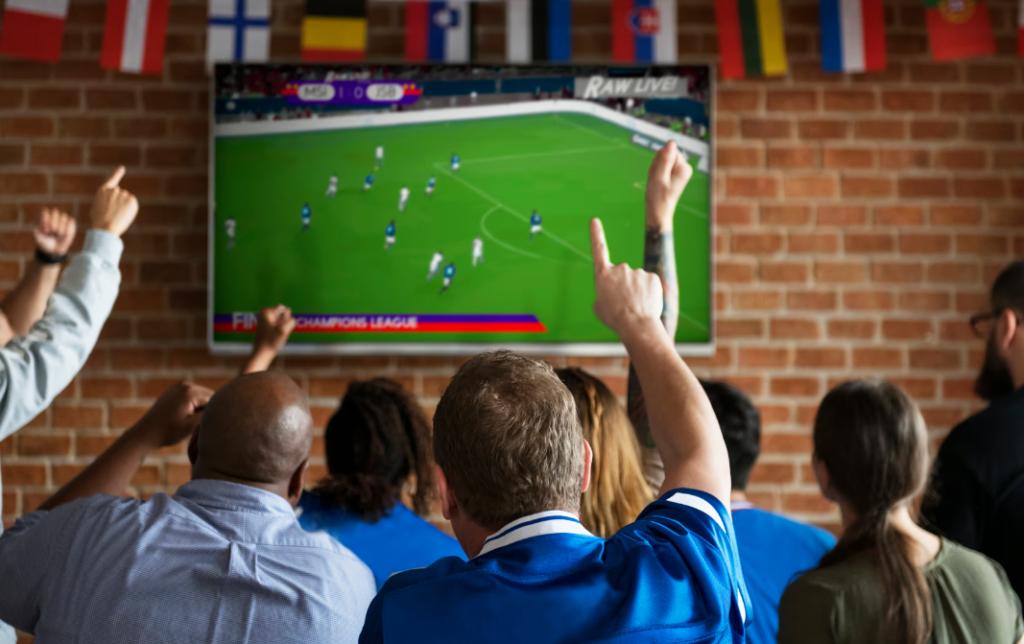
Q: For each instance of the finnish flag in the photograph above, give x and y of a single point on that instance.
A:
(239, 31)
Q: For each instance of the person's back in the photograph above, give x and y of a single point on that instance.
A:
(846, 604)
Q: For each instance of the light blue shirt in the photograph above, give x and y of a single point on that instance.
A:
(217, 562)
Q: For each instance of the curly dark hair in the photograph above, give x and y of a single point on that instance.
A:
(377, 439)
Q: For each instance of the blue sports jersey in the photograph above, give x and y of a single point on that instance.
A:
(671, 576)
(307, 212)
(449, 271)
(430, 182)
(535, 219)
(398, 541)
(390, 231)
(455, 158)
(773, 551)
(369, 179)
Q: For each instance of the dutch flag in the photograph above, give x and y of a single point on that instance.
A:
(439, 31)
(852, 35)
(644, 31)
(239, 31)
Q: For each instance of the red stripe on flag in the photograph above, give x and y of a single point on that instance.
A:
(972, 37)
(332, 55)
(730, 39)
(156, 36)
(416, 29)
(32, 35)
(1020, 41)
(113, 34)
(623, 41)
(873, 21)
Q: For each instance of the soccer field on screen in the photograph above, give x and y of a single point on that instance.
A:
(569, 167)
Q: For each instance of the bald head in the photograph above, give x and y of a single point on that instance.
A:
(256, 429)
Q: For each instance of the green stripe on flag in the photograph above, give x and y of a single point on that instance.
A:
(751, 38)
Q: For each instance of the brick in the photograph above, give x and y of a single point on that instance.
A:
(753, 186)
(772, 473)
(934, 73)
(794, 387)
(986, 245)
(785, 443)
(850, 101)
(868, 300)
(934, 130)
(84, 127)
(793, 328)
(924, 301)
(839, 272)
(898, 216)
(56, 154)
(907, 329)
(157, 100)
(859, 186)
(792, 101)
(851, 329)
(756, 300)
(77, 417)
(987, 188)
(53, 98)
(908, 101)
(991, 131)
(44, 445)
(962, 159)
(22, 183)
(954, 272)
(764, 128)
(969, 102)
(925, 243)
(842, 216)
(734, 215)
(914, 187)
(822, 129)
(110, 99)
(1007, 159)
(763, 358)
(806, 503)
(845, 158)
(869, 243)
(955, 215)
(26, 127)
(877, 358)
(810, 186)
(136, 358)
(896, 272)
(904, 159)
(792, 157)
(934, 359)
(126, 416)
(822, 243)
(736, 100)
(126, 155)
(14, 474)
(820, 358)
(783, 215)
(728, 329)
(881, 129)
(734, 273)
(784, 272)
(104, 388)
(811, 300)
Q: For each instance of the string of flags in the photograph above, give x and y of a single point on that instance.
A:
(750, 32)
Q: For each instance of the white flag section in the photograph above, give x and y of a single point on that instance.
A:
(455, 20)
(665, 48)
(133, 40)
(239, 30)
(51, 8)
(519, 31)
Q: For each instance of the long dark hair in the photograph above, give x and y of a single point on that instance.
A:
(871, 440)
(377, 439)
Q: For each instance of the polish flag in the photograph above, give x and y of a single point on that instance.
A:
(34, 29)
(135, 34)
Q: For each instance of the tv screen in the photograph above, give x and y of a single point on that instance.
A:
(445, 209)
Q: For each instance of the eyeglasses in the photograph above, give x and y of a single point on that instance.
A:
(981, 323)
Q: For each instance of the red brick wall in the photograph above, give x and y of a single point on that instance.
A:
(859, 221)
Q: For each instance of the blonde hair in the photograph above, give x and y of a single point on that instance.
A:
(618, 491)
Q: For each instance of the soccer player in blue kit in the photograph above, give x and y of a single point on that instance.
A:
(389, 235)
(368, 183)
(456, 161)
(307, 215)
(431, 182)
(535, 221)
(449, 273)
(534, 573)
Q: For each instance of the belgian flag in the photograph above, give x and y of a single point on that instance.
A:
(334, 30)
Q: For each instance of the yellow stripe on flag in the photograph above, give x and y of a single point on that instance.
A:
(773, 46)
(333, 33)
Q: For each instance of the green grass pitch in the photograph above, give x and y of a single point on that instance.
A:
(570, 167)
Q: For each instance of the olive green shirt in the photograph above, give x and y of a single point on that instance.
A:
(972, 602)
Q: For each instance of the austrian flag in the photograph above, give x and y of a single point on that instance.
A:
(34, 29)
(134, 37)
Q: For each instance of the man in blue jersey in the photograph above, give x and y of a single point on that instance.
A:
(368, 182)
(307, 215)
(535, 221)
(431, 182)
(773, 549)
(456, 161)
(512, 464)
(389, 235)
(449, 274)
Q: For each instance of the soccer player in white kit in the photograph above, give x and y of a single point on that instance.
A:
(435, 265)
(229, 229)
(403, 197)
(379, 157)
(478, 250)
(332, 186)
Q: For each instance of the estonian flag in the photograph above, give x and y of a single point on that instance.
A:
(852, 35)
(539, 30)
(750, 38)
(440, 32)
(644, 31)
(239, 31)
(34, 29)
(334, 30)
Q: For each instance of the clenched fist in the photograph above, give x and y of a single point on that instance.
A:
(666, 180)
(115, 208)
(174, 416)
(629, 300)
(54, 232)
(273, 326)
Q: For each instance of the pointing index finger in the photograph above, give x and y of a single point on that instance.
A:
(115, 178)
(598, 245)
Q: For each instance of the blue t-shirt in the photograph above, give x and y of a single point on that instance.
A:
(399, 541)
(535, 219)
(307, 212)
(369, 179)
(455, 159)
(390, 230)
(671, 576)
(449, 271)
(773, 551)
(430, 182)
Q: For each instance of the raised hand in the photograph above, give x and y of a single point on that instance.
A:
(54, 232)
(273, 326)
(629, 300)
(174, 416)
(115, 208)
(666, 180)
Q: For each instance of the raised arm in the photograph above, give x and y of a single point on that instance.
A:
(273, 326)
(34, 368)
(666, 181)
(682, 421)
(23, 306)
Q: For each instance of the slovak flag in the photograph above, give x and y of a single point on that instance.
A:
(34, 29)
(852, 35)
(134, 37)
(644, 31)
(239, 31)
(439, 31)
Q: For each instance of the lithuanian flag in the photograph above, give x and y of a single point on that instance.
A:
(334, 30)
(750, 38)
(959, 29)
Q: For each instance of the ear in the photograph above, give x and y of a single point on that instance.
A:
(588, 460)
(447, 498)
(297, 483)
(821, 473)
(1006, 329)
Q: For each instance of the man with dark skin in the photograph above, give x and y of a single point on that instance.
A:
(224, 558)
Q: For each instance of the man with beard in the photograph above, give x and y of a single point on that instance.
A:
(978, 480)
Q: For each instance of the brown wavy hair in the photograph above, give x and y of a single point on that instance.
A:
(618, 491)
(872, 440)
(375, 443)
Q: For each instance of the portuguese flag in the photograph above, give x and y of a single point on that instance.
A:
(334, 30)
(959, 29)
(750, 38)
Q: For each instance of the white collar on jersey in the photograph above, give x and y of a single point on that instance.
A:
(533, 525)
(742, 505)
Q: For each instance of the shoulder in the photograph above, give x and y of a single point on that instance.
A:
(808, 608)
(797, 533)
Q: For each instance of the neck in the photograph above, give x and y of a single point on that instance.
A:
(738, 496)
(280, 489)
(925, 546)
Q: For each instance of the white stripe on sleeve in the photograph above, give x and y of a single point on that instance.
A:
(697, 503)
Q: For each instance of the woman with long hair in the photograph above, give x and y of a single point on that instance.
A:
(888, 580)
(618, 492)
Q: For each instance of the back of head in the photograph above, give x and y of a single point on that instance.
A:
(872, 441)
(618, 491)
(741, 427)
(508, 440)
(377, 443)
(255, 429)
(1008, 289)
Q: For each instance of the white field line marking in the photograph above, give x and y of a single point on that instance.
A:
(693, 322)
(483, 194)
(483, 226)
(541, 154)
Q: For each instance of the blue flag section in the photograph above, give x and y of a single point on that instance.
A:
(538, 31)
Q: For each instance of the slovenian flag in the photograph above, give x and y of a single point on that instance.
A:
(644, 31)
(34, 29)
(852, 35)
(334, 30)
(133, 40)
(439, 31)
(239, 31)
(538, 30)
(750, 38)
(959, 29)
